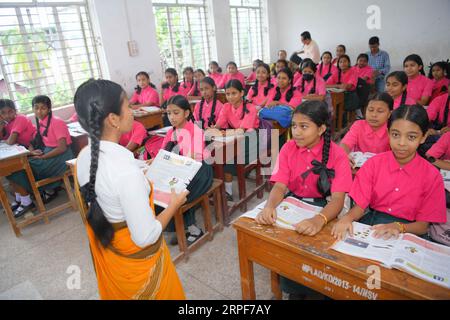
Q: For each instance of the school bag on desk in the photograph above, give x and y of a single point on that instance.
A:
(281, 114)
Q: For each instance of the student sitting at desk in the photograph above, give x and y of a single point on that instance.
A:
(199, 75)
(133, 139)
(285, 94)
(397, 87)
(215, 72)
(15, 128)
(326, 68)
(50, 149)
(145, 94)
(439, 153)
(261, 91)
(232, 74)
(207, 111)
(397, 191)
(130, 256)
(188, 80)
(310, 167)
(310, 85)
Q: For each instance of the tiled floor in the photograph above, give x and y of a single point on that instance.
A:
(41, 263)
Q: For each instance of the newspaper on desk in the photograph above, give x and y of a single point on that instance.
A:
(8, 151)
(289, 212)
(360, 158)
(170, 171)
(421, 258)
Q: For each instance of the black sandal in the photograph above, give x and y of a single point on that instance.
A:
(47, 197)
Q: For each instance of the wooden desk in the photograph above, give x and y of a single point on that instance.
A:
(311, 262)
(337, 100)
(150, 120)
(221, 96)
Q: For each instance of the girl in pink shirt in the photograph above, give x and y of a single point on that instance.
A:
(363, 69)
(188, 79)
(439, 153)
(279, 65)
(215, 72)
(312, 168)
(260, 92)
(145, 94)
(15, 128)
(402, 190)
(346, 78)
(326, 68)
(419, 87)
(440, 75)
(396, 86)
(232, 74)
(340, 51)
(438, 113)
(370, 134)
(133, 139)
(199, 75)
(252, 76)
(207, 111)
(187, 139)
(50, 149)
(285, 94)
(310, 85)
(171, 87)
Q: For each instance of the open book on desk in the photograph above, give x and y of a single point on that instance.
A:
(76, 130)
(416, 256)
(9, 151)
(289, 212)
(169, 170)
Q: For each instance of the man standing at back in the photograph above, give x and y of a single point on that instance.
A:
(310, 48)
(379, 61)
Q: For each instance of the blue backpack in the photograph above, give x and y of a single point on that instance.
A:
(281, 114)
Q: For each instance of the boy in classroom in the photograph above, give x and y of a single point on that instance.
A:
(261, 91)
(397, 191)
(50, 149)
(14, 127)
(440, 75)
(311, 85)
(313, 169)
(145, 94)
(419, 87)
(207, 111)
(397, 88)
(326, 68)
(215, 72)
(232, 74)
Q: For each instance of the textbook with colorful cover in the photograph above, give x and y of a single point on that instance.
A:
(289, 212)
(361, 157)
(416, 256)
(170, 171)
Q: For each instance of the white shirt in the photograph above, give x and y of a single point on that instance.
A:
(122, 191)
(312, 51)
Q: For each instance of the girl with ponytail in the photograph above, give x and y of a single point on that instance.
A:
(311, 86)
(396, 86)
(285, 94)
(207, 111)
(188, 79)
(312, 168)
(260, 92)
(171, 87)
(50, 149)
(129, 253)
(145, 94)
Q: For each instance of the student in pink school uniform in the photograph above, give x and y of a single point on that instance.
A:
(237, 117)
(199, 75)
(326, 68)
(310, 85)
(398, 191)
(397, 88)
(285, 94)
(439, 153)
(252, 76)
(232, 74)
(207, 111)
(340, 51)
(262, 90)
(420, 87)
(171, 87)
(50, 149)
(145, 94)
(14, 127)
(188, 80)
(312, 168)
(133, 139)
(187, 139)
(279, 65)
(370, 134)
(440, 75)
(363, 70)
(438, 113)
(215, 72)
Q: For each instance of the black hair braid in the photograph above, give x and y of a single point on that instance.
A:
(267, 89)
(446, 110)
(244, 109)
(278, 94)
(38, 142)
(324, 186)
(255, 88)
(138, 89)
(202, 102)
(176, 88)
(196, 92)
(290, 93)
(339, 76)
(212, 118)
(313, 89)
(404, 95)
(303, 85)
(184, 83)
(170, 146)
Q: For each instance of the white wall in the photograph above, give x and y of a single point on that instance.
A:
(407, 26)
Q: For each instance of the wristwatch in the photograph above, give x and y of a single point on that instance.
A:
(432, 159)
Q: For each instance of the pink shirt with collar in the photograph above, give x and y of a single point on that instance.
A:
(408, 101)
(419, 86)
(297, 77)
(260, 98)
(195, 87)
(24, 128)
(295, 101)
(367, 71)
(206, 112)
(274, 81)
(227, 77)
(147, 97)
(323, 70)
(136, 135)
(361, 137)
(414, 192)
(217, 77)
(308, 86)
(191, 141)
(437, 108)
(187, 86)
(252, 77)
(438, 87)
(58, 130)
(293, 161)
(169, 93)
(231, 117)
(441, 149)
(348, 77)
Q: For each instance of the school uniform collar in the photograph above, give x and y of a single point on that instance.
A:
(118, 150)
(409, 168)
(316, 150)
(380, 132)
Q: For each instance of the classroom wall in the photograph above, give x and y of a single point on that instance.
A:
(407, 26)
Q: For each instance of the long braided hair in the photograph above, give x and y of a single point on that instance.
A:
(94, 100)
(401, 77)
(181, 102)
(269, 84)
(187, 69)
(166, 85)
(212, 119)
(290, 92)
(38, 142)
(311, 65)
(236, 84)
(329, 66)
(317, 111)
(138, 89)
(196, 92)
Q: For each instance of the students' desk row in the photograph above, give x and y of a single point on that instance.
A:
(311, 262)
(150, 119)
(17, 162)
